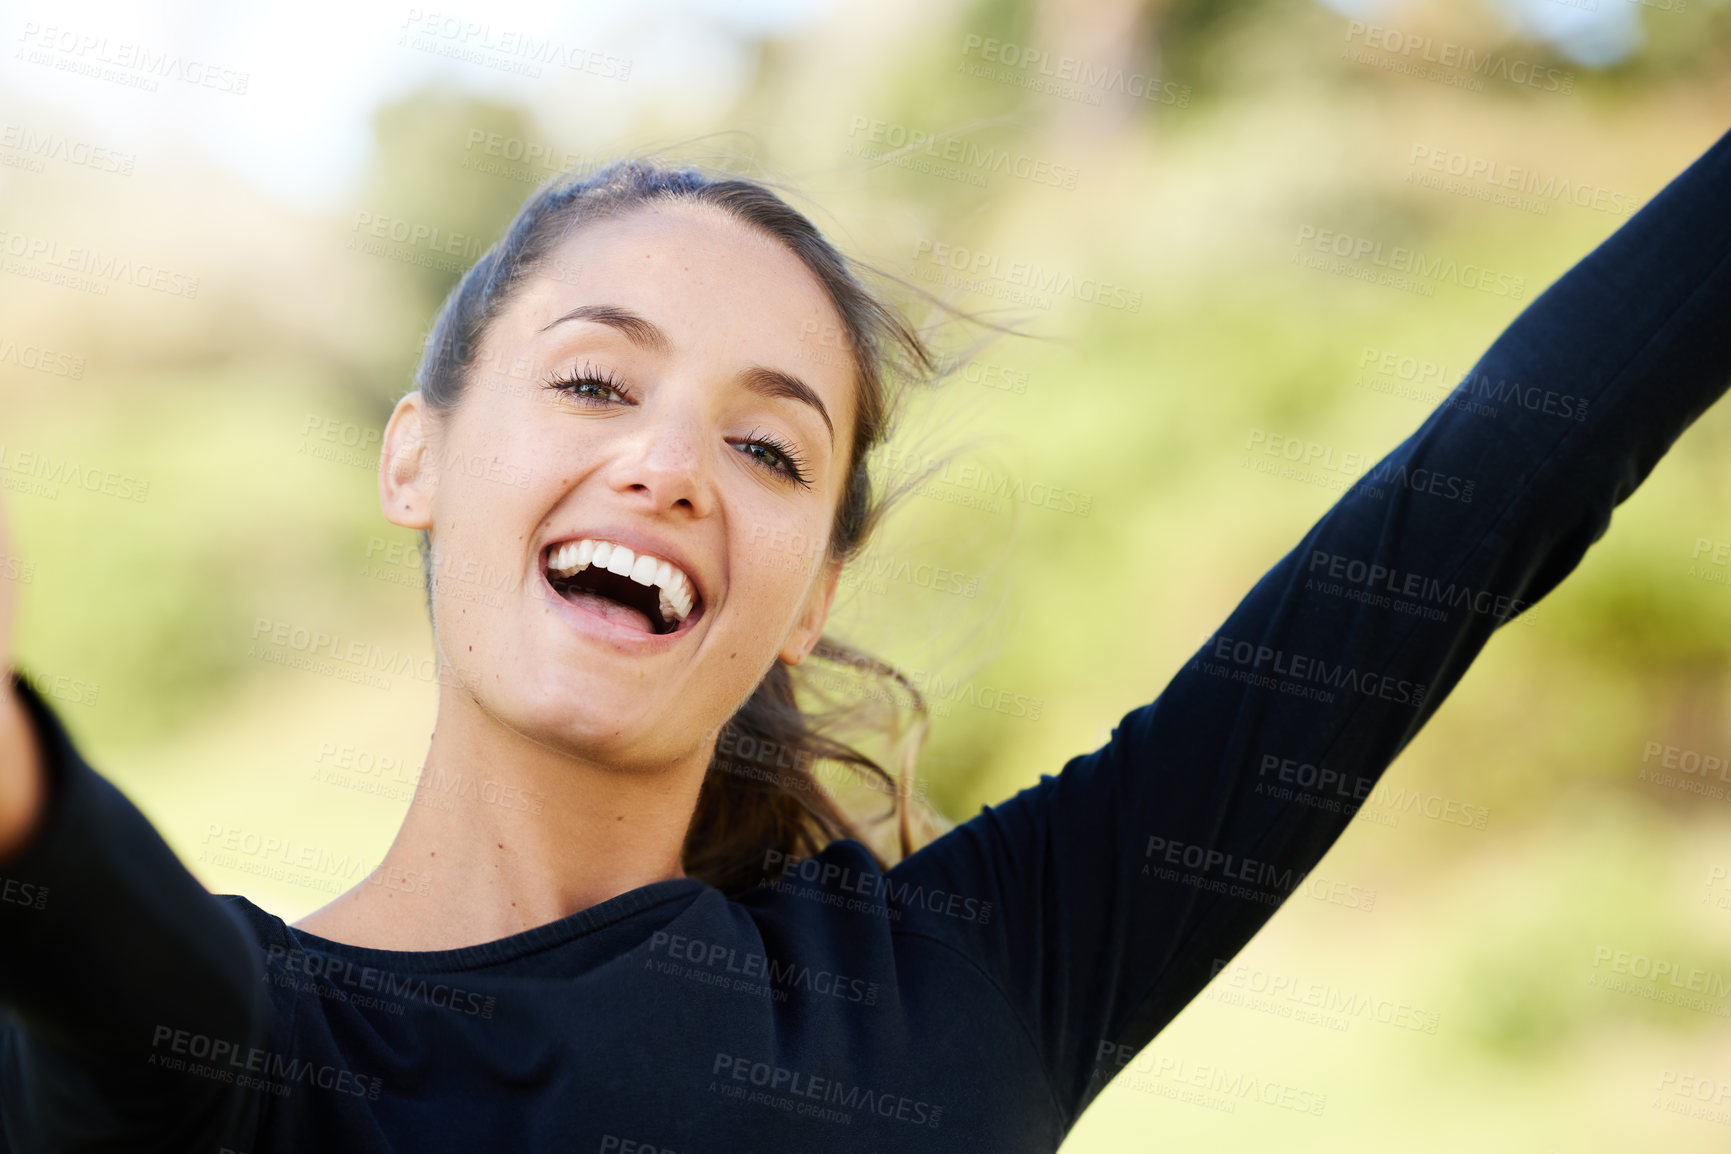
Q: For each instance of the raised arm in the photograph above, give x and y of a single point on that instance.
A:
(109, 950)
(1119, 886)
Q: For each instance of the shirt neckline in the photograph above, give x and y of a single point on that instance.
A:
(500, 950)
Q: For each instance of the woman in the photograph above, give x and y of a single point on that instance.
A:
(659, 959)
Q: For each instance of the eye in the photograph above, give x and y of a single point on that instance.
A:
(590, 386)
(777, 456)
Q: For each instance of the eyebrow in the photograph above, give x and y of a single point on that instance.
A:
(641, 331)
(638, 330)
(775, 383)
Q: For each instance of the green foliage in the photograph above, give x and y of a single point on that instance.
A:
(1145, 412)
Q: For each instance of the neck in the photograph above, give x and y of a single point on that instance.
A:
(506, 834)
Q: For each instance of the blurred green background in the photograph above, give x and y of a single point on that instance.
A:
(1466, 1001)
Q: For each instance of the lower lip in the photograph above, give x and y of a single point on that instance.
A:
(621, 637)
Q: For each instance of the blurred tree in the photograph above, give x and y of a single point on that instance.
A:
(458, 164)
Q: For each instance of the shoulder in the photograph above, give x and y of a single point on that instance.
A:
(844, 881)
(268, 930)
(842, 863)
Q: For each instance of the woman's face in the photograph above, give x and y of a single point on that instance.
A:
(653, 386)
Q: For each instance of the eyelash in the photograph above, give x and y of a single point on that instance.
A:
(792, 466)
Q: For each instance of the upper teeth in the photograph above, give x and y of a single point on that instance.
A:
(677, 595)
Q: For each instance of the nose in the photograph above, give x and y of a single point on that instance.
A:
(663, 463)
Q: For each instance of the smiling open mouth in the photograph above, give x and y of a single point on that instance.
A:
(633, 589)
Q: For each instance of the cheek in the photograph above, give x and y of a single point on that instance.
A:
(781, 558)
(496, 486)
(487, 509)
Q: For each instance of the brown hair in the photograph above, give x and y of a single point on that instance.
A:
(761, 796)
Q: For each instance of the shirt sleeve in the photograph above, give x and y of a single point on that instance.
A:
(1116, 889)
(114, 962)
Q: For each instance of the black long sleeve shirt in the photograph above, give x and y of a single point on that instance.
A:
(978, 995)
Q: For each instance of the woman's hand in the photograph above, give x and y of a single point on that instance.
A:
(21, 785)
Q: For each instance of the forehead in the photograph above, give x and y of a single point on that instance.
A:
(699, 273)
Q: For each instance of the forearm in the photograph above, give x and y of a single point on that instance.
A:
(21, 784)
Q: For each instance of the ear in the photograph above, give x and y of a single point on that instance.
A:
(406, 474)
(809, 628)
